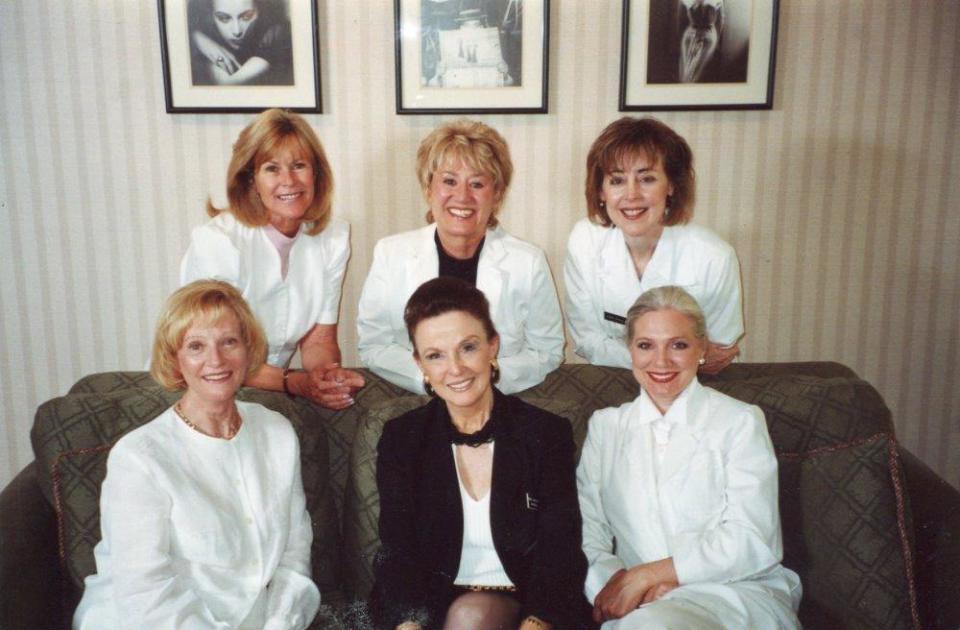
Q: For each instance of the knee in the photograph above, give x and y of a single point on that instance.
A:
(467, 611)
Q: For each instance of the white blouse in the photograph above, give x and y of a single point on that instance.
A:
(479, 562)
(287, 307)
(201, 532)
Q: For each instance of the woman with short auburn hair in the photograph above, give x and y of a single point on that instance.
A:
(464, 169)
(640, 192)
(202, 512)
(277, 243)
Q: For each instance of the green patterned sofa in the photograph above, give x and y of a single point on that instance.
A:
(873, 533)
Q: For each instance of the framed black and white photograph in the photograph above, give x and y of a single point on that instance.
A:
(222, 56)
(698, 54)
(471, 56)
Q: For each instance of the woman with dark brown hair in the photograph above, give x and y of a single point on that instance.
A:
(479, 522)
(640, 194)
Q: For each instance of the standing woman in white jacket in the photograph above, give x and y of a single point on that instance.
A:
(640, 192)
(678, 491)
(464, 169)
(278, 245)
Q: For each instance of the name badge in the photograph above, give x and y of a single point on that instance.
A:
(616, 319)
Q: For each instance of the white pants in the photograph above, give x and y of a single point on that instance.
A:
(712, 607)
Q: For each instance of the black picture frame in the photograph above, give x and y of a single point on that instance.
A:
(287, 29)
(502, 71)
(674, 60)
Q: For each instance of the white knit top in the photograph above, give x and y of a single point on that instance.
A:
(479, 562)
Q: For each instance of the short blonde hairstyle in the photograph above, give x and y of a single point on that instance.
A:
(625, 139)
(478, 145)
(667, 298)
(269, 133)
(201, 302)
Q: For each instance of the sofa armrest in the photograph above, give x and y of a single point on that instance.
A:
(935, 506)
(31, 581)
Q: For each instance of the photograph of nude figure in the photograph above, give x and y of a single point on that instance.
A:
(698, 41)
(698, 54)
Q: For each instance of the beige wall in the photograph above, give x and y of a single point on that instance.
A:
(842, 201)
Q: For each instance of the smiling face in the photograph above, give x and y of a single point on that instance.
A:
(454, 353)
(461, 200)
(213, 360)
(234, 20)
(665, 354)
(635, 194)
(285, 184)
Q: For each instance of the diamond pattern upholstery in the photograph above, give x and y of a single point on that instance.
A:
(844, 517)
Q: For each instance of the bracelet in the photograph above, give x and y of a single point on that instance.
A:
(286, 384)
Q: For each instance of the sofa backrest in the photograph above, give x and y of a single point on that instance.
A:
(846, 526)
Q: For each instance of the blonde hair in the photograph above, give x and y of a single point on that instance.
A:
(202, 301)
(270, 132)
(667, 298)
(628, 137)
(478, 145)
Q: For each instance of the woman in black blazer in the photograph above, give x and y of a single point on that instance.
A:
(479, 521)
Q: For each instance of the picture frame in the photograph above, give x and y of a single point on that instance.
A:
(698, 54)
(481, 57)
(239, 60)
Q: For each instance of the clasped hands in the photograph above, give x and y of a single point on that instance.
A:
(331, 386)
(628, 589)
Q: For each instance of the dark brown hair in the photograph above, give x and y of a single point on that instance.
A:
(447, 295)
(628, 137)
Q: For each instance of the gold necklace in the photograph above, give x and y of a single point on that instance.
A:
(231, 432)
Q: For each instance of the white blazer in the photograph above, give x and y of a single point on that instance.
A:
(710, 504)
(287, 308)
(516, 280)
(602, 285)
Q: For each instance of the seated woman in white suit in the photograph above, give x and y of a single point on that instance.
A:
(278, 245)
(464, 170)
(678, 491)
(640, 193)
(202, 511)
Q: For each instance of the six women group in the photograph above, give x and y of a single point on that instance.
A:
(670, 517)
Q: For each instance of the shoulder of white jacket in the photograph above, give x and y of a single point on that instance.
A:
(702, 238)
(585, 228)
(403, 239)
(513, 244)
(725, 406)
(336, 227)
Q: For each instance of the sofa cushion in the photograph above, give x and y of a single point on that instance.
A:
(72, 437)
(362, 502)
(845, 528)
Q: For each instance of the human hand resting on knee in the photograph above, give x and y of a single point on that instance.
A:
(629, 588)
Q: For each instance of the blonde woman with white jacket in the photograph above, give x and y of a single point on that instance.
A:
(679, 494)
(464, 170)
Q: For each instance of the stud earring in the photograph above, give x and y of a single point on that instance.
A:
(702, 361)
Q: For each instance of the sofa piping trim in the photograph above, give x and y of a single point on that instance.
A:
(894, 465)
(57, 491)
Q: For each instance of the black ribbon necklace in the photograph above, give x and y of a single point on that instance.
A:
(486, 434)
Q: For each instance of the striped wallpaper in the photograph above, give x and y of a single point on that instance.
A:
(842, 201)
